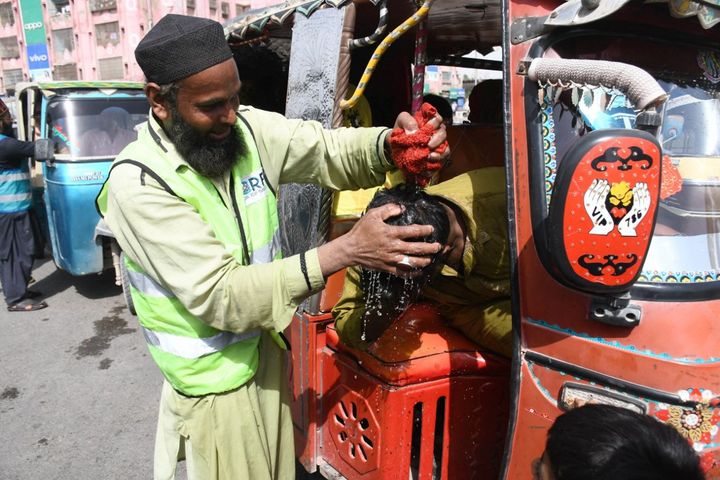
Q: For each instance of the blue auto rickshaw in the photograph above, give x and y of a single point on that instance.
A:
(79, 127)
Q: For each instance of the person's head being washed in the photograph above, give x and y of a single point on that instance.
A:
(386, 295)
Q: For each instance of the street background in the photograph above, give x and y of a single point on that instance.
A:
(78, 389)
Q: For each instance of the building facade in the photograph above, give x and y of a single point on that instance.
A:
(86, 39)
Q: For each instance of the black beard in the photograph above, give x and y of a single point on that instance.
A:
(209, 157)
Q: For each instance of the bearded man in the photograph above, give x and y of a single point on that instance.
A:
(192, 203)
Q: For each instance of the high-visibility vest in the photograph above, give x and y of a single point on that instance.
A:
(15, 190)
(196, 358)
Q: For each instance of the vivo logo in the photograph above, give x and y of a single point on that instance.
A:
(32, 26)
(38, 58)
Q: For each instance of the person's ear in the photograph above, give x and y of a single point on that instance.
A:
(541, 468)
(158, 102)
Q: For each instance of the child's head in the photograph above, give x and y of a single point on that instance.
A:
(389, 294)
(602, 442)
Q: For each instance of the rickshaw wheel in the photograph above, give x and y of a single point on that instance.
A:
(126, 285)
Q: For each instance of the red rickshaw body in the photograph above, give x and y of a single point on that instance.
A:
(667, 364)
(614, 225)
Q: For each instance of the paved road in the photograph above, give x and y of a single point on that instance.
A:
(78, 390)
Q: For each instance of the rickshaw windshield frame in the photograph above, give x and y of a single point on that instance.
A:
(90, 127)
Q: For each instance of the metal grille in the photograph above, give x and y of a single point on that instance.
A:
(107, 34)
(7, 19)
(101, 5)
(11, 77)
(9, 47)
(66, 72)
(111, 68)
(63, 40)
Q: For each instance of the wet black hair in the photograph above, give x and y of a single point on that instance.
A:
(441, 104)
(388, 295)
(420, 209)
(602, 442)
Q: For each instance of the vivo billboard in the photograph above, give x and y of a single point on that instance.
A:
(35, 39)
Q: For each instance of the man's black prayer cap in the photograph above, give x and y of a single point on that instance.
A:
(179, 46)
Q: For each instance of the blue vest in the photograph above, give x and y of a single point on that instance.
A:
(15, 190)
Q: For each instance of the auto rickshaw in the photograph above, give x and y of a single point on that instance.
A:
(78, 127)
(612, 157)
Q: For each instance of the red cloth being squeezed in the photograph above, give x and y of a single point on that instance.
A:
(410, 151)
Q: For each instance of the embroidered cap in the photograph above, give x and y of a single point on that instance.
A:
(179, 46)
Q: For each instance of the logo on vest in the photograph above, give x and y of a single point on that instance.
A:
(254, 187)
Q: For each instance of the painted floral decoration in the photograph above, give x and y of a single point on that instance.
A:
(699, 423)
(709, 465)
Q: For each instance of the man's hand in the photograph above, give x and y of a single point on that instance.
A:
(641, 205)
(374, 244)
(419, 150)
(408, 123)
(594, 201)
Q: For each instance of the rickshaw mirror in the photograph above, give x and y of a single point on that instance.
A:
(602, 210)
(44, 150)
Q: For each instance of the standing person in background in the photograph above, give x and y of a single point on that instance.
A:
(192, 203)
(17, 242)
(113, 133)
(485, 102)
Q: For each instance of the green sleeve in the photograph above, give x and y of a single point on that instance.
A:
(350, 309)
(298, 151)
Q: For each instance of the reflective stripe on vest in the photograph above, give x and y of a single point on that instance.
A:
(10, 177)
(187, 347)
(268, 252)
(147, 286)
(194, 357)
(182, 346)
(15, 191)
(16, 197)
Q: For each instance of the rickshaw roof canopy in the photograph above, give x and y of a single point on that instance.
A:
(454, 26)
(62, 87)
(80, 84)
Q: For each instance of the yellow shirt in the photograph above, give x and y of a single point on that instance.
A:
(476, 301)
